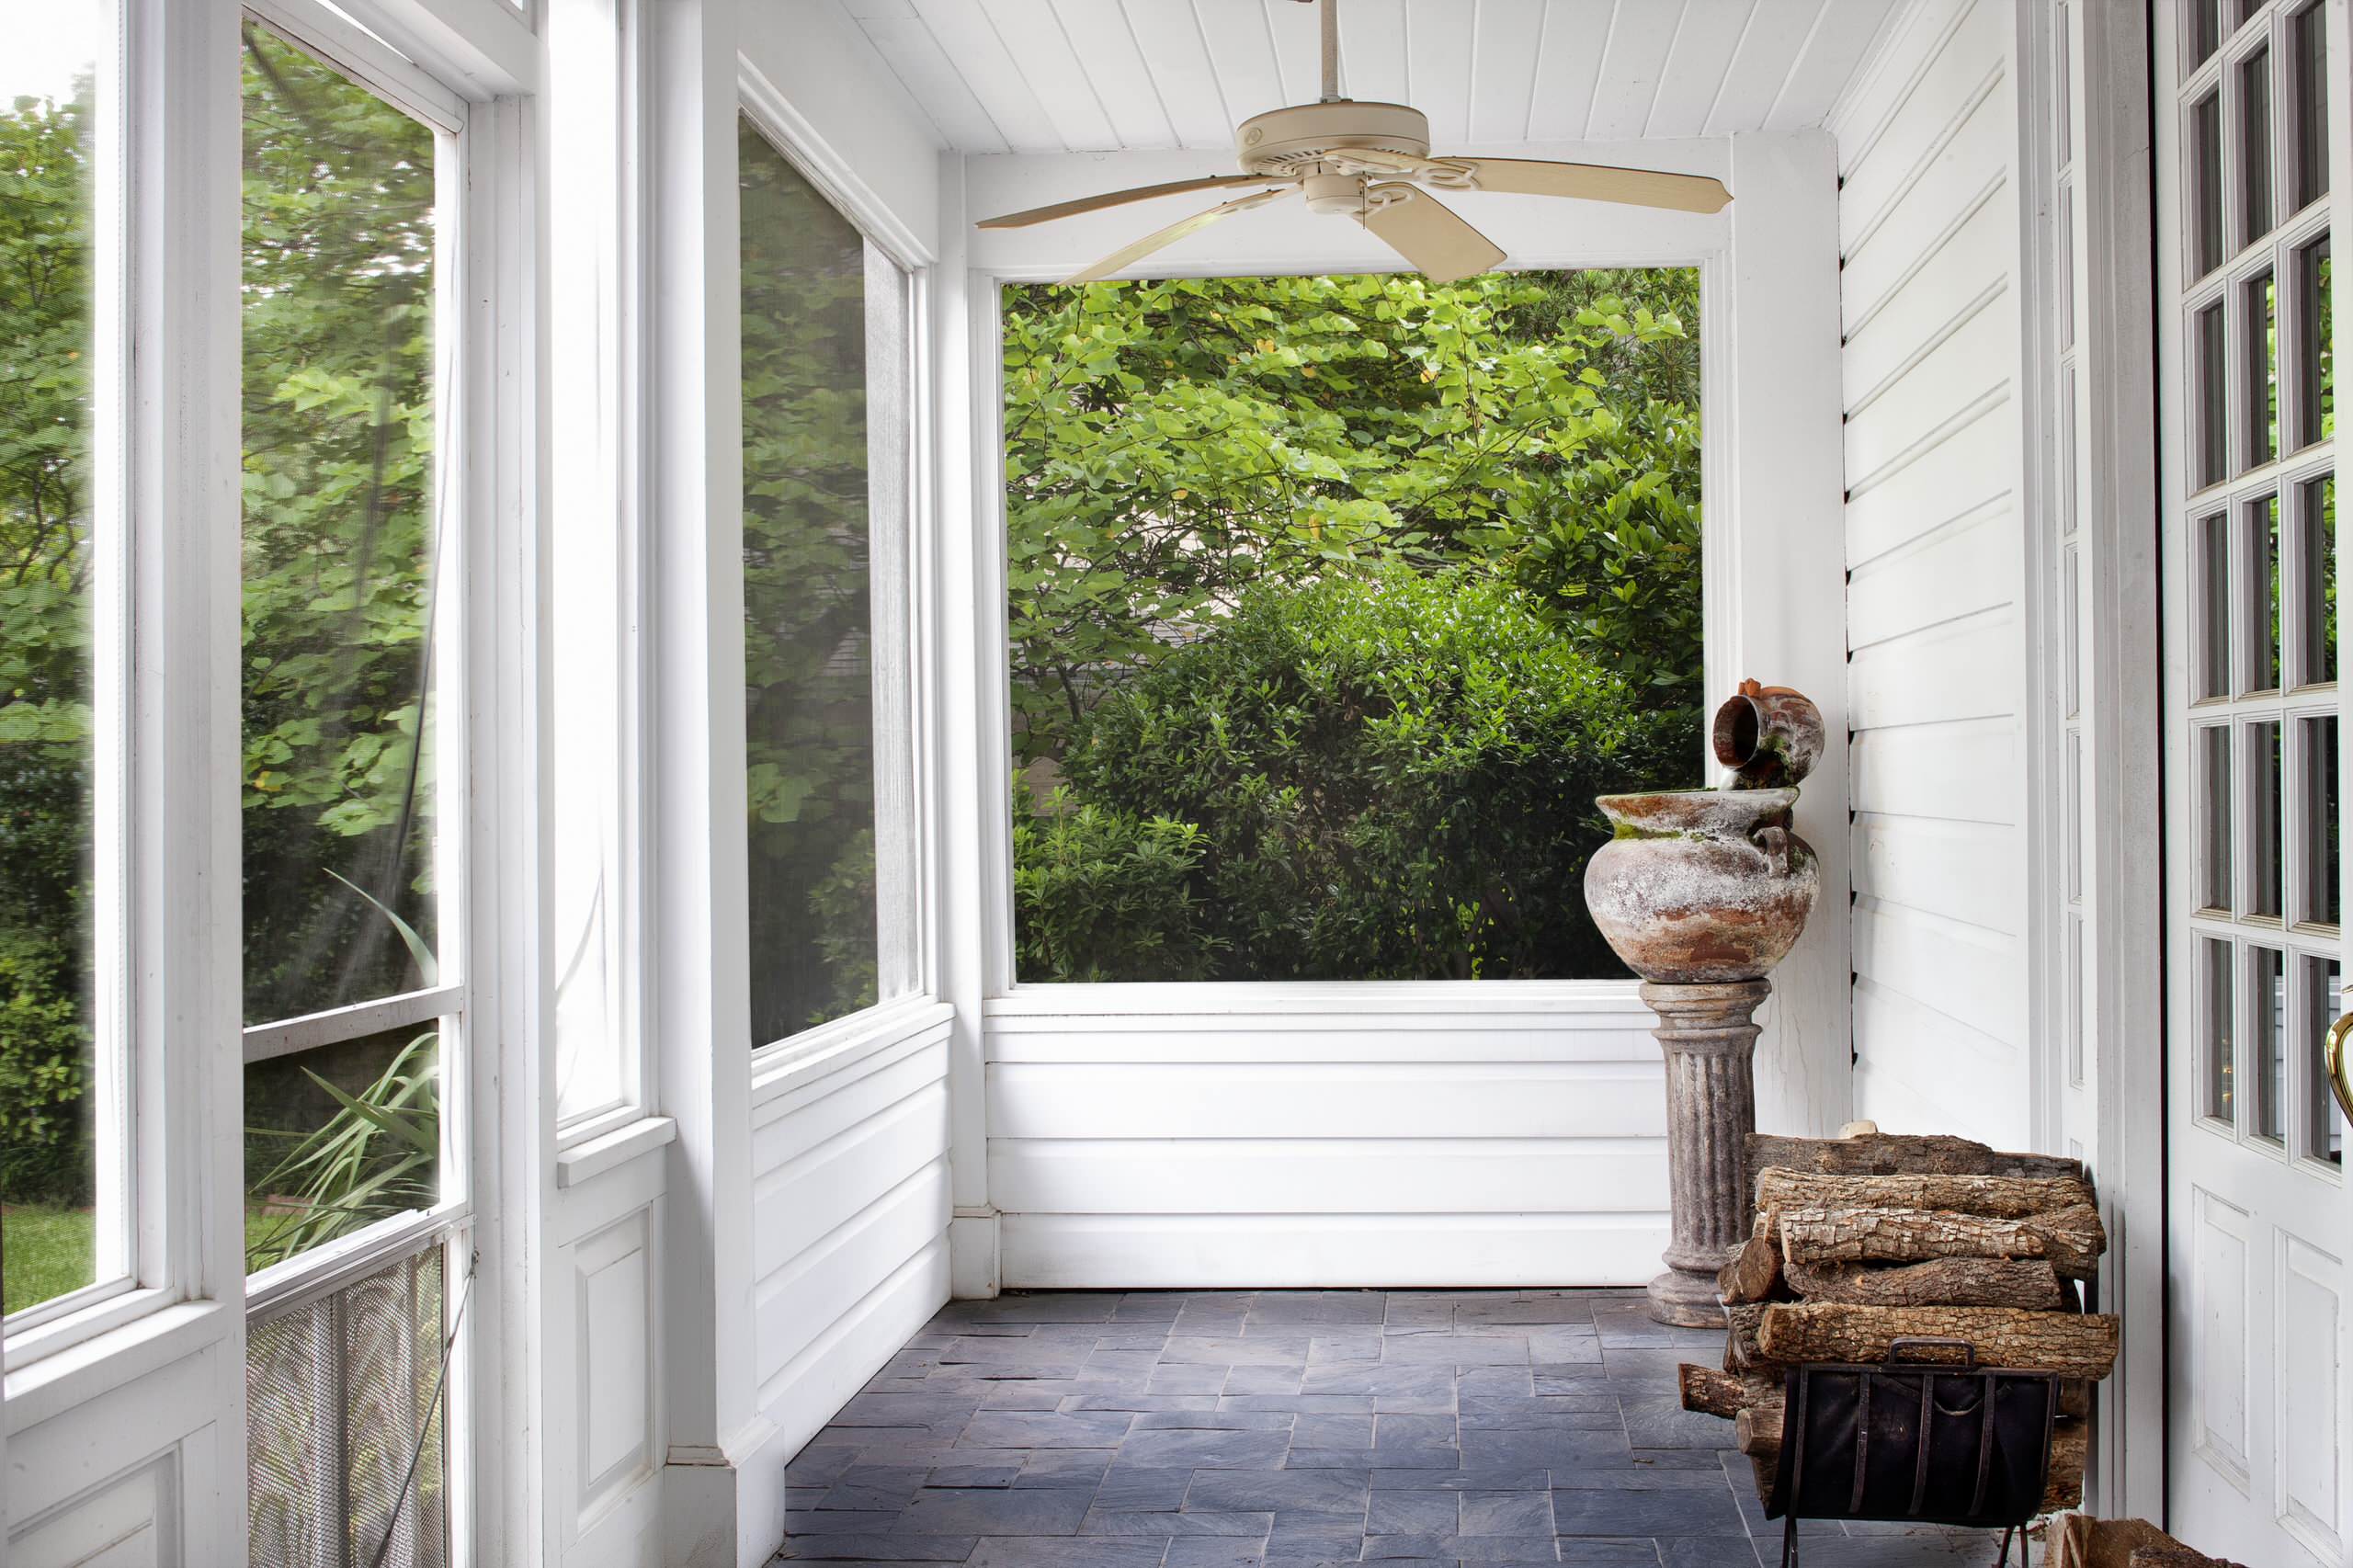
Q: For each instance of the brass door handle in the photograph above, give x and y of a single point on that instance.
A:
(2332, 1055)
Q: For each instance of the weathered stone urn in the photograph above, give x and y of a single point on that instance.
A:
(1701, 887)
(1701, 893)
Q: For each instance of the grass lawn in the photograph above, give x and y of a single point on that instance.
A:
(45, 1251)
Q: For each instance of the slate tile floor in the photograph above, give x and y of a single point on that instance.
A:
(1289, 1428)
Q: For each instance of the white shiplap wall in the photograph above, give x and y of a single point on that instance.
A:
(1331, 1137)
(1929, 237)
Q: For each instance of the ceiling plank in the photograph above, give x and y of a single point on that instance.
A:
(971, 40)
(1049, 61)
(1640, 40)
(1169, 35)
(930, 77)
(1298, 49)
(1437, 66)
(1114, 65)
(1777, 31)
(1373, 51)
(1842, 40)
(1576, 33)
(1243, 52)
(1503, 63)
(1697, 65)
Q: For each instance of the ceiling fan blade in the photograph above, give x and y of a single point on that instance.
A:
(1424, 231)
(1118, 199)
(1129, 254)
(1598, 182)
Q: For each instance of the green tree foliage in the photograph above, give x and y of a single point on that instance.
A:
(338, 199)
(1386, 777)
(1357, 589)
(338, 558)
(1169, 444)
(45, 718)
(809, 689)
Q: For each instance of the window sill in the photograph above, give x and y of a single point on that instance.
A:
(75, 1373)
(832, 1048)
(593, 1157)
(1403, 999)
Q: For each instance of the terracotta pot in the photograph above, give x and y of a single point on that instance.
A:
(1701, 887)
(1769, 735)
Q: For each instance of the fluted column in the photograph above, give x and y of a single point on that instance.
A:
(1711, 1045)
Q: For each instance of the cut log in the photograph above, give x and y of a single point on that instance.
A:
(1894, 1153)
(2071, 1449)
(2031, 1283)
(2071, 1344)
(1723, 1393)
(2078, 1541)
(2071, 1239)
(1757, 1430)
(1741, 1353)
(1754, 1273)
(1767, 1467)
(1995, 1197)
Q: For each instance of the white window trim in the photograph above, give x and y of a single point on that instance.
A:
(624, 313)
(790, 132)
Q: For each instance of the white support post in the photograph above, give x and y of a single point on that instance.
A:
(701, 960)
(1780, 577)
(969, 663)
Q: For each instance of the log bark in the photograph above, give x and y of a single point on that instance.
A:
(2070, 1239)
(1757, 1430)
(1995, 1197)
(2071, 1449)
(1741, 1353)
(1754, 1273)
(1723, 1393)
(2031, 1283)
(2071, 1344)
(2078, 1541)
(1888, 1153)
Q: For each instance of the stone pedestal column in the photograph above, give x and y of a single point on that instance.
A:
(1711, 1046)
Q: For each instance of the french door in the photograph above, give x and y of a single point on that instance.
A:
(2252, 163)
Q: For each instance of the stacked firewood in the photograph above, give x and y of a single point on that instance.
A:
(2081, 1542)
(1865, 1240)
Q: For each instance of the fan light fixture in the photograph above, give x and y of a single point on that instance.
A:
(1371, 162)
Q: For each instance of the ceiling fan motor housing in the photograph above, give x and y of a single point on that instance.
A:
(1289, 141)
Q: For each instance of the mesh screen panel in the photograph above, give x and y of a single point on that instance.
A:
(337, 1392)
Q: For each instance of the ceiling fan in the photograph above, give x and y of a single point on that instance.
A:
(1371, 162)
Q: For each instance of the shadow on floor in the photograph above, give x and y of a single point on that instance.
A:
(1291, 1428)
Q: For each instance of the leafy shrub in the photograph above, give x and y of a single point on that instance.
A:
(1387, 776)
(1104, 894)
(44, 1074)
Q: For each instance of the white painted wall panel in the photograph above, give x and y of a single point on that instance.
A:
(1930, 230)
(1327, 1138)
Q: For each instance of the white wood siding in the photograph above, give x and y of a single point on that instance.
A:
(1929, 236)
(1353, 1138)
(850, 1233)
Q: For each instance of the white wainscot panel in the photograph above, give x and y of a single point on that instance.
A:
(131, 1478)
(128, 1522)
(605, 1406)
(613, 1271)
(2311, 1441)
(2222, 1280)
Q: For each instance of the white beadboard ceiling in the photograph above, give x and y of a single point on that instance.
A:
(1104, 75)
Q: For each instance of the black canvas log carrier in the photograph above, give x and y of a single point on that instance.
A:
(1927, 1436)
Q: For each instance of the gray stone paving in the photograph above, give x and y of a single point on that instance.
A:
(1291, 1428)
